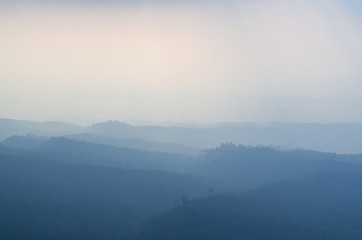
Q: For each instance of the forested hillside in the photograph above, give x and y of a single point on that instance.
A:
(324, 206)
(59, 188)
(44, 198)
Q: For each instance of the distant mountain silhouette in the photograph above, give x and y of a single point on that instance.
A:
(238, 167)
(246, 167)
(9, 127)
(98, 154)
(331, 137)
(136, 144)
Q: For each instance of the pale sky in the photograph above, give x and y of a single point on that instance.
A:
(185, 61)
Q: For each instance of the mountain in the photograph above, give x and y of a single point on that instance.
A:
(105, 155)
(331, 137)
(246, 167)
(12, 151)
(31, 141)
(74, 151)
(343, 138)
(28, 141)
(9, 127)
(43, 198)
(324, 206)
(59, 188)
(236, 166)
(134, 143)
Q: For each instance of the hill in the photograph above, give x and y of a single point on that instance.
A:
(136, 143)
(43, 198)
(331, 137)
(325, 206)
(246, 167)
(10, 127)
(343, 138)
(73, 151)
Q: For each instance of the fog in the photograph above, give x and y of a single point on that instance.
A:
(98, 185)
(182, 119)
(205, 61)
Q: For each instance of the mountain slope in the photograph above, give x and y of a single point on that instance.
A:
(243, 167)
(9, 127)
(332, 137)
(135, 143)
(98, 154)
(42, 198)
(28, 142)
(326, 206)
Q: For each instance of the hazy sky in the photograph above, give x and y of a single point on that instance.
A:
(194, 61)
